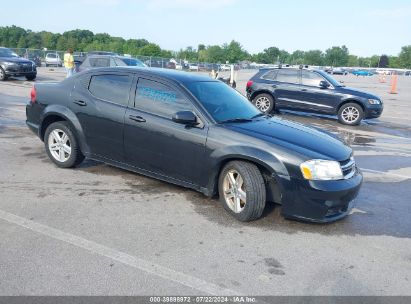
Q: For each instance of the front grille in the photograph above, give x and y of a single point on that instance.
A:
(348, 167)
(25, 67)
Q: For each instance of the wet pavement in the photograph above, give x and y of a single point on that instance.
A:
(195, 247)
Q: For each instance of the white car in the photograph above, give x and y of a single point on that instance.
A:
(193, 67)
(53, 59)
(225, 67)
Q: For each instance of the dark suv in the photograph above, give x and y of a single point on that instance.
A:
(13, 65)
(102, 61)
(311, 91)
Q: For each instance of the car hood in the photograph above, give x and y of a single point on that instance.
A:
(355, 92)
(15, 60)
(308, 142)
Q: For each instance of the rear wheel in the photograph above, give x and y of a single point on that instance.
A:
(62, 146)
(242, 190)
(264, 102)
(350, 114)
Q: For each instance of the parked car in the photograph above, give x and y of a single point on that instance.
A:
(311, 91)
(78, 60)
(199, 133)
(102, 53)
(193, 67)
(13, 65)
(362, 73)
(225, 67)
(35, 58)
(338, 71)
(171, 65)
(53, 59)
(102, 61)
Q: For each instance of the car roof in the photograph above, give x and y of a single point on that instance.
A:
(177, 76)
(114, 56)
(288, 68)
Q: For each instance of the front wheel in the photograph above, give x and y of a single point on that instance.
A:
(264, 102)
(62, 146)
(350, 114)
(30, 77)
(242, 190)
(3, 75)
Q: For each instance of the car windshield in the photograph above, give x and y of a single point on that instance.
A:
(7, 53)
(222, 102)
(133, 62)
(330, 79)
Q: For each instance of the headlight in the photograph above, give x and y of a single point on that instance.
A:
(374, 101)
(318, 169)
(9, 63)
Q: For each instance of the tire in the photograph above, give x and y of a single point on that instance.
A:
(31, 77)
(350, 114)
(66, 152)
(3, 75)
(264, 102)
(245, 202)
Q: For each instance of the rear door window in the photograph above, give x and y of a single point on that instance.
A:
(290, 76)
(119, 62)
(99, 62)
(113, 88)
(160, 99)
(270, 75)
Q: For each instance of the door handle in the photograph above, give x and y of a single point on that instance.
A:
(80, 102)
(274, 86)
(137, 118)
(303, 90)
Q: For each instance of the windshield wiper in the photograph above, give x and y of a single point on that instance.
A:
(239, 120)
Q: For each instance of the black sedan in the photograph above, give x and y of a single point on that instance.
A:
(13, 65)
(196, 132)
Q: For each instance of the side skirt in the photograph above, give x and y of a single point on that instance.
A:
(147, 173)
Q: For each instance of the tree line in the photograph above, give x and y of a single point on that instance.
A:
(85, 40)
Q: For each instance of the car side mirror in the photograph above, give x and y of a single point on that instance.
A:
(185, 118)
(324, 84)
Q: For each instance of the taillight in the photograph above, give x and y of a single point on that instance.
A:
(33, 95)
(249, 83)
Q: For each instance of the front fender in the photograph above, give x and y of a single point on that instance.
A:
(354, 99)
(69, 116)
(252, 154)
(220, 157)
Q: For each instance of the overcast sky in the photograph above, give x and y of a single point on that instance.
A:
(366, 27)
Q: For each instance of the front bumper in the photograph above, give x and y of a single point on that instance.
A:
(18, 70)
(373, 111)
(319, 201)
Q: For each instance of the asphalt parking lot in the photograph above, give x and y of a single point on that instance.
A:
(99, 230)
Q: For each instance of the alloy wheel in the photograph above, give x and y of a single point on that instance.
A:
(234, 191)
(59, 145)
(350, 114)
(262, 103)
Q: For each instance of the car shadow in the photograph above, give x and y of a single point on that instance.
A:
(375, 211)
